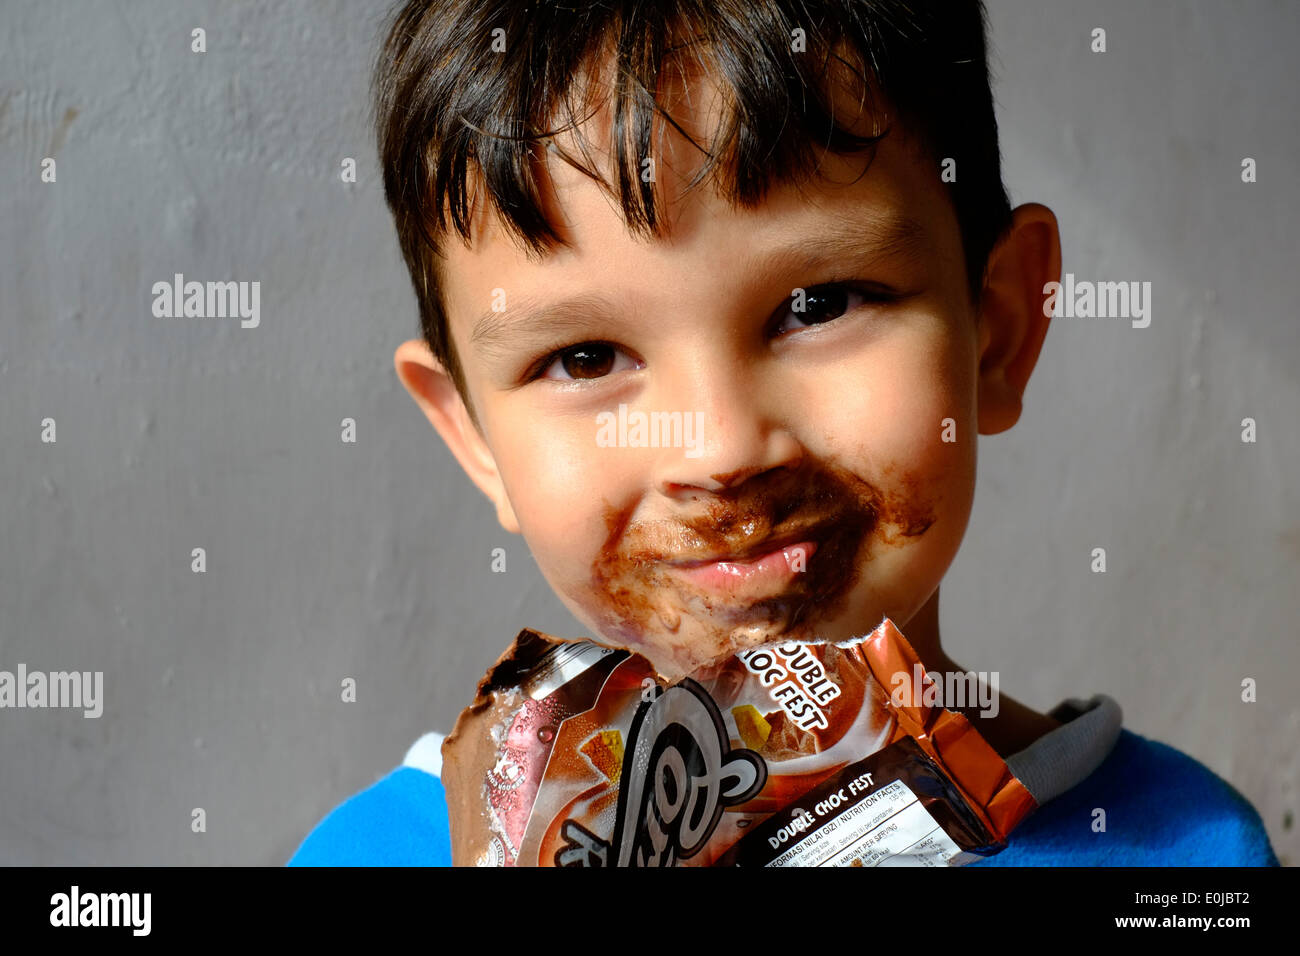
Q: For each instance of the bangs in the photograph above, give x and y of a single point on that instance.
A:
(471, 96)
(489, 107)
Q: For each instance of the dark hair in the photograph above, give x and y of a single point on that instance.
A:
(445, 99)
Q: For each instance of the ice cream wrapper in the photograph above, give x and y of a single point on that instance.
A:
(788, 754)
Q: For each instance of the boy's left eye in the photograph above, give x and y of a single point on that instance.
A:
(584, 362)
(827, 302)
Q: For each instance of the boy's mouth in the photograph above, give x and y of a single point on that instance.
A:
(757, 574)
(768, 562)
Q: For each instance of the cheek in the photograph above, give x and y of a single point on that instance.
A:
(557, 477)
(905, 421)
(908, 405)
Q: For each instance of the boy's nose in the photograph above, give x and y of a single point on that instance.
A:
(741, 433)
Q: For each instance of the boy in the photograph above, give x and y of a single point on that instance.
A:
(802, 243)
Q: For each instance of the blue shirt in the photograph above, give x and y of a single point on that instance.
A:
(1162, 808)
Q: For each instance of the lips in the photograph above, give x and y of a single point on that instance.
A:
(742, 554)
(765, 573)
(752, 555)
(689, 590)
(749, 569)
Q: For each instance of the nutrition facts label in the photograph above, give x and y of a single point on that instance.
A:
(889, 827)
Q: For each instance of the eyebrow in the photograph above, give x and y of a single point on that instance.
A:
(892, 236)
(495, 333)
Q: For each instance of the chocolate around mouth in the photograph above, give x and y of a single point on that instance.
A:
(640, 597)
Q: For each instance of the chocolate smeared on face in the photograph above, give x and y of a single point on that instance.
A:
(647, 600)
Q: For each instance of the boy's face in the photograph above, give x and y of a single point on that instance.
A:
(832, 479)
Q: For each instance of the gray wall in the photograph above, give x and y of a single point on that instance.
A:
(329, 560)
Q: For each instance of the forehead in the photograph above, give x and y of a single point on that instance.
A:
(890, 200)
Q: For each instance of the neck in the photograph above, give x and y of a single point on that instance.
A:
(1014, 727)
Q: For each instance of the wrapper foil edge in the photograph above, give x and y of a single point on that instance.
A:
(468, 753)
(975, 768)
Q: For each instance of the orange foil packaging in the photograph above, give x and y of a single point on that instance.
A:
(795, 754)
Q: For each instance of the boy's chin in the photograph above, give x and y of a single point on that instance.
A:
(688, 644)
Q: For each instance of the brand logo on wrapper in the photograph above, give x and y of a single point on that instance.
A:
(679, 773)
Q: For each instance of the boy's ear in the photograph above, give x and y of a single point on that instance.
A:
(1011, 320)
(435, 392)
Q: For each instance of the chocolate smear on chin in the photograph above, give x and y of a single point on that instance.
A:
(641, 603)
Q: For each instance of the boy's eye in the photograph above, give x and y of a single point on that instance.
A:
(825, 303)
(585, 361)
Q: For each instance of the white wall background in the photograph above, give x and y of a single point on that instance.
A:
(328, 560)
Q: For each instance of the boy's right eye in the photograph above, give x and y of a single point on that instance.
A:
(589, 360)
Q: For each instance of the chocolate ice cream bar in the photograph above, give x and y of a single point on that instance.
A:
(789, 754)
